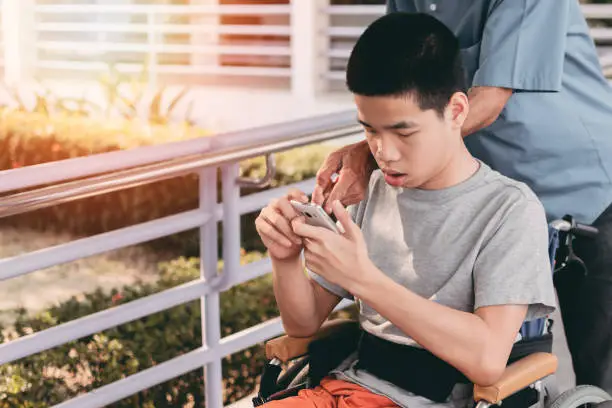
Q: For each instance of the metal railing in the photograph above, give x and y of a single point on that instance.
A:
(146, 165)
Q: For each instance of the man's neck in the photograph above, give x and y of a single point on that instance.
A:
(460, 168)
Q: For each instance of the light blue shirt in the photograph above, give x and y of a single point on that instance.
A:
(555, 132)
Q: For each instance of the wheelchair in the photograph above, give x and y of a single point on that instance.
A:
(528, 381)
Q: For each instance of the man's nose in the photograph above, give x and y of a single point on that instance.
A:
(386, 150)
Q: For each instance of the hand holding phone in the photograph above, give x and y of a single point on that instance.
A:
(316, 216)
(274, 227)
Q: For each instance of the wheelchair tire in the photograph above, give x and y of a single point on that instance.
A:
(580, 396)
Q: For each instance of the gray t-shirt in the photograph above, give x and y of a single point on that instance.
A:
(482, 242)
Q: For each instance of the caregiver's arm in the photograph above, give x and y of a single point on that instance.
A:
(486, 103)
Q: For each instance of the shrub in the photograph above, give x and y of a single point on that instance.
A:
(55, 375)
(52, 377)
(30, 138)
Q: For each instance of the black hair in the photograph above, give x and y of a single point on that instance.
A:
(407, 54)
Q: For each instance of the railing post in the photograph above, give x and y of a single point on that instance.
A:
(309, 47)
(211, 318)
(19, 35)
(231, 219)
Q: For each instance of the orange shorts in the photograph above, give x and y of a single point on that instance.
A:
(333, 393)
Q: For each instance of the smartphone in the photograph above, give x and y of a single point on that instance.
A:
(316, 216)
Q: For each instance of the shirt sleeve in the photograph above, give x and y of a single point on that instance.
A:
(354, 211)
(523, 45)
(513, 266)
(391, 6)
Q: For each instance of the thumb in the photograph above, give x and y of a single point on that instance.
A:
(298, 195)
(344, 218)
(324, 181)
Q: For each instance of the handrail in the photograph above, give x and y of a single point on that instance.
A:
(69, 191)
(53, 172)
(48, 184)
(222, 152)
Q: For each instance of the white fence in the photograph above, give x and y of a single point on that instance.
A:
(126, 169)
(302, 45)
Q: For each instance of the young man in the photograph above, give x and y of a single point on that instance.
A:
(541, 113)
(445, 257)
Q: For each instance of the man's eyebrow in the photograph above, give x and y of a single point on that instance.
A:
(364, 123)
(402, 125)
(399, 125)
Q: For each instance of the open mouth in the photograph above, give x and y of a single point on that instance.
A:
(394, 178)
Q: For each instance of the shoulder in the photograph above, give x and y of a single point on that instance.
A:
(515, 193)
(516, 204)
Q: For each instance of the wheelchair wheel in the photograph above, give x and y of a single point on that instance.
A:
(583, 396)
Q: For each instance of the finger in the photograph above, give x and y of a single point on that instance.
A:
(297, 195)
(312, 262)
(304, 231)
(289, 214)
(282, 223)
(300, 219)
(297, 220)
(318, 195)
(270, 235)
(312, 246)
(285, 208)
(339, 192)
(314, 253)
(311, 232)
(353, 196)
(332, 164)
(320, 249)
(268, 232)
(344, 218)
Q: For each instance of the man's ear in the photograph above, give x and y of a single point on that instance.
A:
(458, 109)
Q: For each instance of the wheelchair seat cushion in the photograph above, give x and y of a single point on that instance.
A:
(334, 393)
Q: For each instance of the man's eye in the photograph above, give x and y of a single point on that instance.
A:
(370, 131)
(406, 134)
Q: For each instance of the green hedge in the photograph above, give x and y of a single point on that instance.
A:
(32, 138)
(53, 376)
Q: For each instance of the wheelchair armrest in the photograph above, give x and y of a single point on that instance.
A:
(518, 375)
(286, 348)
